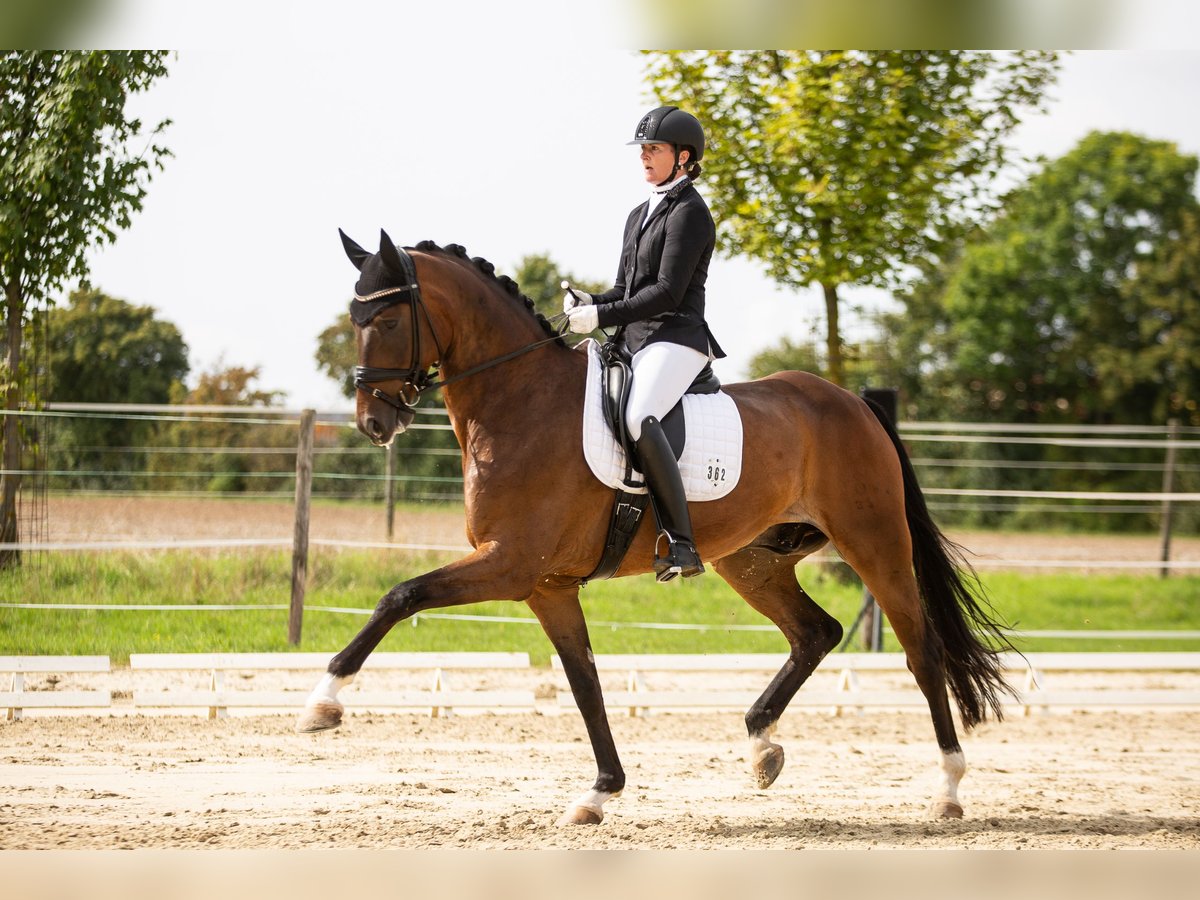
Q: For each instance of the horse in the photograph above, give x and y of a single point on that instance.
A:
(821, 466)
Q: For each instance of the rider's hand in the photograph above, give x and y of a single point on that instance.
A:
(584, 319)
(573, 298)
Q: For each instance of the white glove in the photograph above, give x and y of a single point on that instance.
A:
(584, 319)
(570, 301)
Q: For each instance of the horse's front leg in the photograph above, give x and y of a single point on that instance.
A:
(487, 574)
(562, 619)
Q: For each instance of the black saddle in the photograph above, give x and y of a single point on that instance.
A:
(616, 379)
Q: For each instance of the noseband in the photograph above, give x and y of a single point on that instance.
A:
(416, 379)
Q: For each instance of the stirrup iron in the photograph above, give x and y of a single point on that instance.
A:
(681, 559)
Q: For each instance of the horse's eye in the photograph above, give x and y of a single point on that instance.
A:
(389, 324)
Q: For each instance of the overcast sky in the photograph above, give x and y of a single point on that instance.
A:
(509, 153)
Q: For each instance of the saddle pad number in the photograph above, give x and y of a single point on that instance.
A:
(716, 472)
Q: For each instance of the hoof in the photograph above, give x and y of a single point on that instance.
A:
(945, 809)
(767, 766)
(582, 815)
(320, 717)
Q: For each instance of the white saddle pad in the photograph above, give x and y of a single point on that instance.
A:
(711, 463)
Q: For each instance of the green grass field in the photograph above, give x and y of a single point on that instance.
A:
(357, 579)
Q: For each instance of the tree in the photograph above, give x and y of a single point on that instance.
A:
(1168, 286)
(1078, 304)
(337, 353)
(104, 350)
(1070, 308)
(843, 168)
(229, 455)
(73, 171)
(866, 364)
(225, 385)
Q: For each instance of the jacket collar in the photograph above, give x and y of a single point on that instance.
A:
(672, 193)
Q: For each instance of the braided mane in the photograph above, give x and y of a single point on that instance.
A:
(509, 286)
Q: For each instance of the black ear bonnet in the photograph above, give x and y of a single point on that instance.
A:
(387, 278)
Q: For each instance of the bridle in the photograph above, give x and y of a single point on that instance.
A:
(415, 379)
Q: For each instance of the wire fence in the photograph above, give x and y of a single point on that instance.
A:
(1108, 478)
(989, 475)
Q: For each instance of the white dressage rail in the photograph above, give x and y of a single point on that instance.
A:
(16, 699)
(640, 697)
(439, 697)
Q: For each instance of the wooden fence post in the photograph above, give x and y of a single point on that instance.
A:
(304, 471)
(1168, 486)
(389, 488)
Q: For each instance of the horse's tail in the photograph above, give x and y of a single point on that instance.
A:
(955, 602)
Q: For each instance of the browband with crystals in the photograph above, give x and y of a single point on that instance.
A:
(378, 295)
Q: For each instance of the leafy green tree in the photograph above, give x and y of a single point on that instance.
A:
(1078, 304)
(1066, 310)
(104, 350)
(867, 364)
(921, 345)
(337, 353)
(74, 168)
(787, 354)
(843, 168)
(226, 385)
(1162, 367)
(221, 454)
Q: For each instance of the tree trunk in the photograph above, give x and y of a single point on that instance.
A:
(10, 483)
(833, 337)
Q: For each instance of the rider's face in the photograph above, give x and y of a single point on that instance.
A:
(658, 162)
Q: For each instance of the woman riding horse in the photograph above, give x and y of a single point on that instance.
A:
(658, 302)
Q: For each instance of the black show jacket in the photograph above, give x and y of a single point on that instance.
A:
(659, 291)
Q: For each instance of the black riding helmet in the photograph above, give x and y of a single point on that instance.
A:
(671, 125)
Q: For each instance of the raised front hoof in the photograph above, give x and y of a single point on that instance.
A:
(945, 809)
(581, 815)
(767, 766)
(320, 717)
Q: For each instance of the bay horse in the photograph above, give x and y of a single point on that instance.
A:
(821, 465)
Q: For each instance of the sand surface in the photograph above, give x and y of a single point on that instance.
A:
(1060, 780)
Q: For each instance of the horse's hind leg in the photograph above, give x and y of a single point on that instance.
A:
(886, 570)
(768, 583)
(562, 620)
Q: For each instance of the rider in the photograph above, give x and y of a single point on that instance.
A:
(658, 300)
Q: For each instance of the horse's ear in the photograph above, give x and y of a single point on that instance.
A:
(387, 252)
(357, 254)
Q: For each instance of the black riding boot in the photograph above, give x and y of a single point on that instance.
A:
(670, 504)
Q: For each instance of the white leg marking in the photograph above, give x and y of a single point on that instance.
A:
(591, 802)
(326, 691)
(954, 766)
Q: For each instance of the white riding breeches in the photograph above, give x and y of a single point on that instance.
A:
(661, 373)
